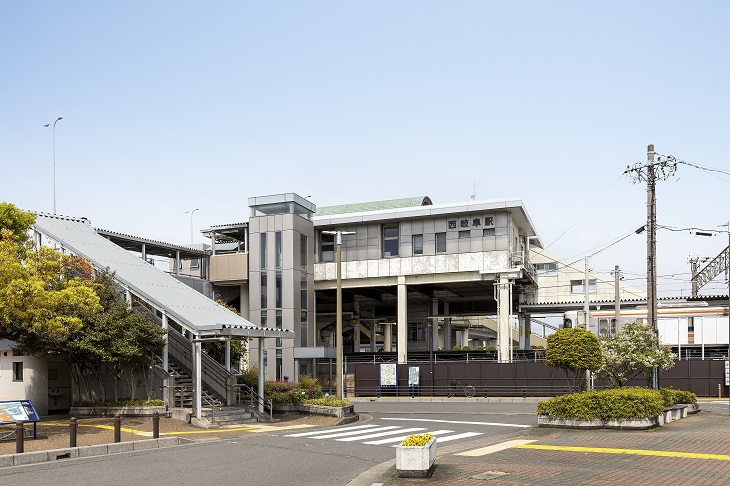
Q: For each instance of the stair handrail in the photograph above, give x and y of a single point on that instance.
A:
(242, 388)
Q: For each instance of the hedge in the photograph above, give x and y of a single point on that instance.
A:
(614, 404)
(673, 397)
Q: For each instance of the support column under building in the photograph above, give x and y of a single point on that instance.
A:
(197, 378)
(388, 337)
(504, 331)
(373, 336)
(402, 342)
(356, 337)
(434, 325)
(262, 376)
(465, 337)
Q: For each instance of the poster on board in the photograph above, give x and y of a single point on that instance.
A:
(388, 374)
(17, 411)
(413, 376)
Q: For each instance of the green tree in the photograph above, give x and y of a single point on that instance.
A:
(632, 352)
(41, 290)
(575, 351)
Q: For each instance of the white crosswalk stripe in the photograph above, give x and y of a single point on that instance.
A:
(375, 434)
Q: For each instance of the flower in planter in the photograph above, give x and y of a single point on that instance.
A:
(417, 440)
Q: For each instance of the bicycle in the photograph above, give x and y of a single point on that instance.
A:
(456, 387)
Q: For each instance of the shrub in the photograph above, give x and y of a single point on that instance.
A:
(615, 404)
(417, 440)
(290, 392)
(574, 350)
(516, 347)
(479, 348)
(465, 348)
(456, 348)
(491, 348)
(250, 377)
(673, 397)
(329, 401)
(120, 403)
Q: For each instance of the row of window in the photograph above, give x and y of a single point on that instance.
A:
(391, 242)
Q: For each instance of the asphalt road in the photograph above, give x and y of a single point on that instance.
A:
(323, 456)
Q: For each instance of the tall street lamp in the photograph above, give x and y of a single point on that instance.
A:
(191, 223)
(54, 159)
(339, 377)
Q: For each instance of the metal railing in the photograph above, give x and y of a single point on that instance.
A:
(247, 396)
(464, 390)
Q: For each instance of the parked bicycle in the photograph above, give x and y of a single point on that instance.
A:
(456, 387)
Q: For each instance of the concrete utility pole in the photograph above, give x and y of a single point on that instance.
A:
(650, 172)
(586, 296)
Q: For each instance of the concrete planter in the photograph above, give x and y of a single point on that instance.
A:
(324, 410)
(675, 412)
(113, 411)
(284, 407)
(415, 461)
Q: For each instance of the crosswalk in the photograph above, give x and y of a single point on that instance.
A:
(382, 435)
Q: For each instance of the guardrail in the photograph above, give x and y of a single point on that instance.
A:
(245, 393)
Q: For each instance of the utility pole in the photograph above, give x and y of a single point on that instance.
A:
(617, 298)
(586, 296)
(650, 172)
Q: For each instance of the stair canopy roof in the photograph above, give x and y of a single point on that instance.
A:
(186, 306)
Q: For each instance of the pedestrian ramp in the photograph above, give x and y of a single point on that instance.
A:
(381, 435)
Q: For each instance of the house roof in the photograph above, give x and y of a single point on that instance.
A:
(183, 304)
(405, 202)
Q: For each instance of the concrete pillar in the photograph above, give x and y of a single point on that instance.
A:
(197, 378)
(402, 341)
(177, 262)
(525, 331)
(356, 337)
(503, 325)
(388, 337)
(465, 337)
(448, 344)
(373, 337)
(228, 355)
(144, 252)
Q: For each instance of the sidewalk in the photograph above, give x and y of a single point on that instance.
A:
(694, 450)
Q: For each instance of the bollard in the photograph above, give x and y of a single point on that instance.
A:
(73, 431)
(719, 390)
(117, 429)
(156, 425)
(19, 438)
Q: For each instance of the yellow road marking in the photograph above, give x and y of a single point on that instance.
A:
(640, 452)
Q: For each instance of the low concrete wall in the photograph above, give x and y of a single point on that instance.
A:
(675, 412)
(113, 411)
(87, 451)
(323, 410)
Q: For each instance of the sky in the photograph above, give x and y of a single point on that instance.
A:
(173, 106)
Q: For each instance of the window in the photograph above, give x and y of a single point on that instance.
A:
(328, 247)
(17, 371)
(465, 234)
(418, 244)
(488, 232)
(279, 325)
(576, 286)
(390, 240)
(194, 263)
(264, 291)
(263, 251)
(416, 331)
(546, 268)
(277, 249)
(303, 292)
(303, 329)
(440, 242)
(277, 290)
(303, 250)
(264, 318)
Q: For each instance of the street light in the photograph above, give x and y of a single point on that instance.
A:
(191, 223)
(54, 159)
(339, 377)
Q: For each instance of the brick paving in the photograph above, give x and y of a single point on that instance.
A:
(705, 433)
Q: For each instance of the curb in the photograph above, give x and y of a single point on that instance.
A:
(37, 457)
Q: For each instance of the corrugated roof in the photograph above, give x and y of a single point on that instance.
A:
(406, 202)
(185, 305)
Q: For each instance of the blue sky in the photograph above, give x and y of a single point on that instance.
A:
(171, 106)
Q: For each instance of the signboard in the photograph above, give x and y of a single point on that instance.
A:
(727, 373)
(413, 376)
(388, 374)
(17, 411)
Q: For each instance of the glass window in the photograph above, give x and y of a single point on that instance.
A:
(264, 291)
(576, 286)
(328, 247)
(416, 331)
(440, 242)
(263, 251)
(264, 318)
(390, 240)
(17, 371)
(278, 289)
(418, 244)
(303, 292)
(277, 249)
(194, 263)
(303, 329)
(279, 325)
(465, 234)
(303, 250)
(546, 268)
(488, 232)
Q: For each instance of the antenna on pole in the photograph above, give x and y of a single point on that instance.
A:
(474, 191)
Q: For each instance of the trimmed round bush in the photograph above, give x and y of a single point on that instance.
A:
(673, 397)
